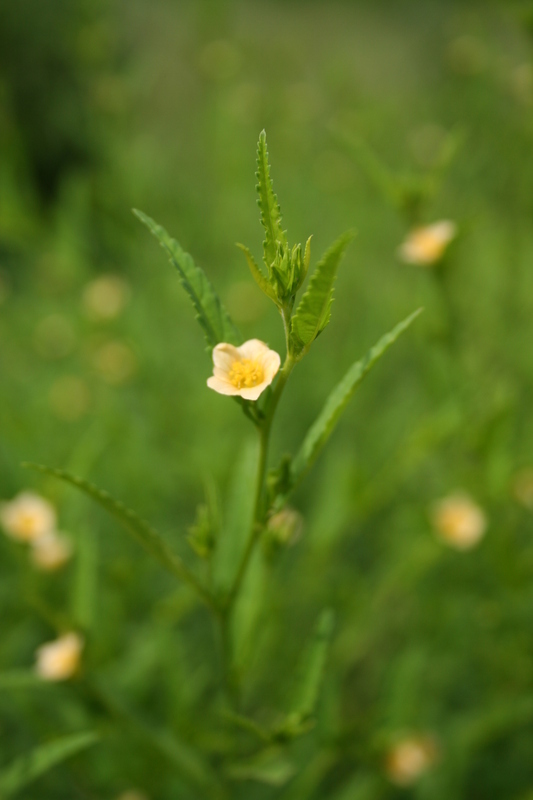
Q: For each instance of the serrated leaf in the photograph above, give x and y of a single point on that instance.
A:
(140, 530)
(339, 398)
(35, 763)
(314, 310)
(210, 313)
(311, 670)
(268, 204)
(258, 276)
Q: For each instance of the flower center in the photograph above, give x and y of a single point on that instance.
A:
(430, 246)
(246, 373)
(26, 522)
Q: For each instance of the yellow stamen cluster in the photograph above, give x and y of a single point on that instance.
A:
(246, 373)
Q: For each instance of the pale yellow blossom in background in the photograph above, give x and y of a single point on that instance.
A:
(409, 759)
(459, 521)
(27, 517)
(245, 371)
(523, 487)
(51, 551)
(60, 659)
(105, 297)
(426, 245)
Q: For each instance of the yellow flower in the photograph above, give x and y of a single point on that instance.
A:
(426, 245)
(27, 517)
(60, 659)
(51, 551)
(409, 758)
(459, 521)
(245, 371)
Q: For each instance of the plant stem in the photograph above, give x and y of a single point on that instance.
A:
(259, 510)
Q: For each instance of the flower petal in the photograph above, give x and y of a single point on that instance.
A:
(253, 348)
(254, 392)
(224, 355)
(222, 386)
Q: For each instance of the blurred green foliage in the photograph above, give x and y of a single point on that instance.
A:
(378, 115)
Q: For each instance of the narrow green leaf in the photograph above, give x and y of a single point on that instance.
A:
(258, 276)
(85, 584)
(314, 310)
(311, 668)
(141, 531)
(30, 766)
(239, 514)
(339, 398)
(210, 313)
(268, 204)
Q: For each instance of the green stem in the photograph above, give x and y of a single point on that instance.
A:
(259, 510)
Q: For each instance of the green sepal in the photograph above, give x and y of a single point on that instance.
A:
(140, 530)
(314, 310)
(210, 313)
(37, 762)
(268, 205)
(258, 276)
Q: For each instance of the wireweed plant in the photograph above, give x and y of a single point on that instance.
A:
(227, 576)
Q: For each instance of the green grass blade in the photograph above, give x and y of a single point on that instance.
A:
(268, 204)
(309, 680)
(339, 398)
(30, 766)
(210, 313)
(141, 531)
(314, 310)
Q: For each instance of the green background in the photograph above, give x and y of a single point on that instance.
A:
(105, 106)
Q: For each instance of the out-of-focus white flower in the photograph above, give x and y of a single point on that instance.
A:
(105, 297)
(459, 521)
(51, 551)
(60, 659)
(409, 758)
(245, 371)
(426, 245)
(523, 487)
(27, 517)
